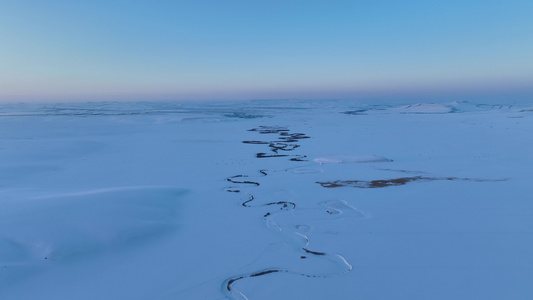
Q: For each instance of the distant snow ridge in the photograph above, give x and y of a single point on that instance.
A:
(424, 108)
(339, 159)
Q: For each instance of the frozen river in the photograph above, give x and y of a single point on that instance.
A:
(266, 200)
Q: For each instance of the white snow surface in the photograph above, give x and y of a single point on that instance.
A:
(424, 108)
(252, 200)
(339, 159)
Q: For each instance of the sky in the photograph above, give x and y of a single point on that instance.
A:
(209, 50)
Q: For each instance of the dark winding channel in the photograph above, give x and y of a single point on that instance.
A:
(281, 147)
(285, 142)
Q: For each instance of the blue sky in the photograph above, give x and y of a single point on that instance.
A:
(187, 50)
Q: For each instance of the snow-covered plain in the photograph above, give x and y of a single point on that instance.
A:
(266, 200)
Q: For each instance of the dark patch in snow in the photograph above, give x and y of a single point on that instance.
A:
(402, 171)
(363, 184)
(286, 142)
(269, 129)
(242, 115)
(277, 146)
(371, 184)
(264, 273)
(355, 112)
(231, 281)
(292, 136)
(245, 203)
(264, 155)
(231, 179)
(284, 204)
(256, 142)
(299, 158)
(313, 252)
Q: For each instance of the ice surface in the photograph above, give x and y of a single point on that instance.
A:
(266, 200)
(350, 159)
